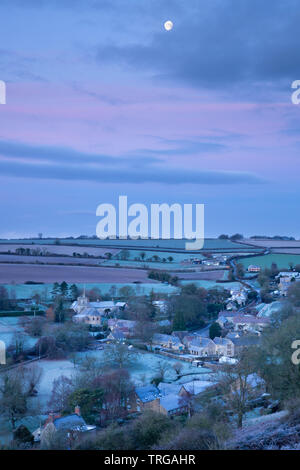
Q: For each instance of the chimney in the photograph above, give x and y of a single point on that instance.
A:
(77, 410)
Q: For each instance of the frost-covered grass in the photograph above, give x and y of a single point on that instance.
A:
(9, 326)
(212, 284)
(146, 264)
(209, 243)
(26, 291)
(142, 369)
(282, 260)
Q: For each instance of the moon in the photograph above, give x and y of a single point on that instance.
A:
(168, 25)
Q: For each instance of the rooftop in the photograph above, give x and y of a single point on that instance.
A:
(147, 393)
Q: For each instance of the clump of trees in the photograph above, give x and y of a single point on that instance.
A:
(65, 291)
(16, 387)
(215, 330)
(103, 396)
(194, 306)
(163, 276)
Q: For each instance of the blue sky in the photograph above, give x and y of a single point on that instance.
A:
(102, 102)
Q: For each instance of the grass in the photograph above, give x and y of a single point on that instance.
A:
(282, 260)
(25, 291)
(209, 244)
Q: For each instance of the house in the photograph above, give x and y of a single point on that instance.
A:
(195, 387)
(172, 405)
(249, 323)
(242, 342)
(105, 307)
(224, 317)
(211, 262)
(166, 388)
(127, 327)
(168, 342)
(180, 334)
(150, 397)
(224, 347)
(284, 285)
(147, 398)
(252, 268)
(160, 305)
(89, 316)
(239, 296)
(72, 426)
(200, 346)
(290, 274)
(117, 336)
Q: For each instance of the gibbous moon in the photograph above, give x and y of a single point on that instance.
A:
(168, 25)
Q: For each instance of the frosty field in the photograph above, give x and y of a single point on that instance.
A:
(19, 273)
(142, 369)
(26, 291)
(282, 260)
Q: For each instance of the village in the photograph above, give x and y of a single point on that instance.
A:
(169, 352)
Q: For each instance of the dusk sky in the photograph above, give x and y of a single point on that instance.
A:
(102, 101)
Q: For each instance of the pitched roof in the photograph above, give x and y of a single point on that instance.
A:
(246, 341)
(160, 338)
(167, 388)
(147, 393)
(115, 322)
(249, 319)
(103, 304)
(171, 402)
(222, 341)
(74, 422)
(117, 334)
(91, 312)
(202, 342)
(195, 387)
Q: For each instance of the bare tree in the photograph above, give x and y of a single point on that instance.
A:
(177, 368)
(32, 376)
(18, 343)
(236, 387)
(61, 390)
(120, 354)
(16, 386)
(161, 368)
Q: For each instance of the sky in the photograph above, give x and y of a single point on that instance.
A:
(102, 101)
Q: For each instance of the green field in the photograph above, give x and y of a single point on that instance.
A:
(209, 244)
(212, 284)
(147, 262)
(282, 260)
(26, 291)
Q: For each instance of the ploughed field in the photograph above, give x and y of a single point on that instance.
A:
(205, 275)
(272, 243)
(45, 273)
(59, 249)
(48, 260)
